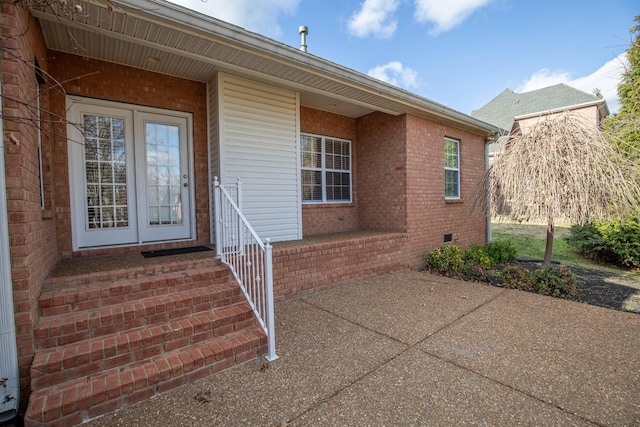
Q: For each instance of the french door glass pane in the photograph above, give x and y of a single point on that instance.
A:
(105, 172)
(164, 202)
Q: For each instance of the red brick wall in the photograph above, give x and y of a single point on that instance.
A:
(301, 270)
(32, 231)
(382, 172)
(115, 82)
(430, 216)
(338, 217)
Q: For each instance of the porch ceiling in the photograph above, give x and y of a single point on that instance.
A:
(162, 37)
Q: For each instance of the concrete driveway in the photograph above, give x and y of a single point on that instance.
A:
(410, 348)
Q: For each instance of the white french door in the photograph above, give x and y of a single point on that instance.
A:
(163, 201)
(130, 174)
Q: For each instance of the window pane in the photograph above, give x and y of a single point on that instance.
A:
(310, 151)
(450, 153)
(338, 186)
(451, 183)
(163, 173)
(337, 154)
(325, 169)
(452, 168)
(105, 172)
(311, 185)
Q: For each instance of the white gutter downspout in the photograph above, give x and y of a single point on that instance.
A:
(9, 384)
(486, 167)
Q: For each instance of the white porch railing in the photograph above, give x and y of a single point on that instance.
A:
(239, 247)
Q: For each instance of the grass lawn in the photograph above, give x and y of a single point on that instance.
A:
(530, 240)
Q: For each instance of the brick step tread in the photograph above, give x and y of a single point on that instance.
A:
(71, 327)
(86, 357)
(73, 402)
(91, 296)
(108, 276)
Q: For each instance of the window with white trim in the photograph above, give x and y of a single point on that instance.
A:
(325, 168)
(451, 168)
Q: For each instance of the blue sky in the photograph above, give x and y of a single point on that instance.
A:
(460, 53)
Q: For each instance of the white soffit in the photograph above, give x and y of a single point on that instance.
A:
(165, 38)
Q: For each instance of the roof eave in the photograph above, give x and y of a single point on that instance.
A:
(599, 104)
(182, 18)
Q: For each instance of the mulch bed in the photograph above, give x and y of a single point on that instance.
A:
(600, 288)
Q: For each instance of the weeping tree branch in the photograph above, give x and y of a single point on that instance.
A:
(561, 167)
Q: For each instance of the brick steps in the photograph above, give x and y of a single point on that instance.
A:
(78, 326)
(82, 296)
(87, 357)
(72, 402)
(132, 334)
(110, 276)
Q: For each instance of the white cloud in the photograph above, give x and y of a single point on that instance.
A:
(445, 14)
(375, 17)
(605, 79)
(396, 74)
(258, 16)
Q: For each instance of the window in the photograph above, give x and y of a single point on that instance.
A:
(326, 169)
(451, 168)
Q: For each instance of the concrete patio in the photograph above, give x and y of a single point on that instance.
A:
(410, 348)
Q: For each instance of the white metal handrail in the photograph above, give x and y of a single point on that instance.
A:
(250, 260)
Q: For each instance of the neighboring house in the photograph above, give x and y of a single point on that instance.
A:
(511, 111)
(116, 119)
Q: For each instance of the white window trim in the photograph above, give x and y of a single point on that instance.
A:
(457, 170)
(323, 169)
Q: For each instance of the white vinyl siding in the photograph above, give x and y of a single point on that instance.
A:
(258, 128)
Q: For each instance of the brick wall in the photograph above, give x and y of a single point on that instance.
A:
(32, 230)
(116, 82)
(338, 217)
(382, 172)
(430, 216)
(301, 270)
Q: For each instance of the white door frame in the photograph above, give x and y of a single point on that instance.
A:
(9, 381)
(75, 106)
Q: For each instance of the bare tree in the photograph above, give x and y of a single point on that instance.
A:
(561, 167)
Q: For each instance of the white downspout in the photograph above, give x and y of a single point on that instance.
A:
(486, 167)
(9, 381)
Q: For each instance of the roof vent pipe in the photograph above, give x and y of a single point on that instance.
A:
(303, 30)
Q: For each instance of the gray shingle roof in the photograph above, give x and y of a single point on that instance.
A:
(501, 110)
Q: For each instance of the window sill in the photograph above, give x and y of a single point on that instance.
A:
(453, 201)
(321, 205)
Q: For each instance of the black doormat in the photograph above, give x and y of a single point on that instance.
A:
(176, 251)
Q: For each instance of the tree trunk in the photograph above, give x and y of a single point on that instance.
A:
(548, 250)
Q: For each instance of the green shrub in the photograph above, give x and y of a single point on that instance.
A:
(473, 272)
(501, 251)
(623, 240)
(516, 277)
(491, 254)
(610, 242)
(554, 281)
(588, 241)
(476, 255)
(446, 259)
